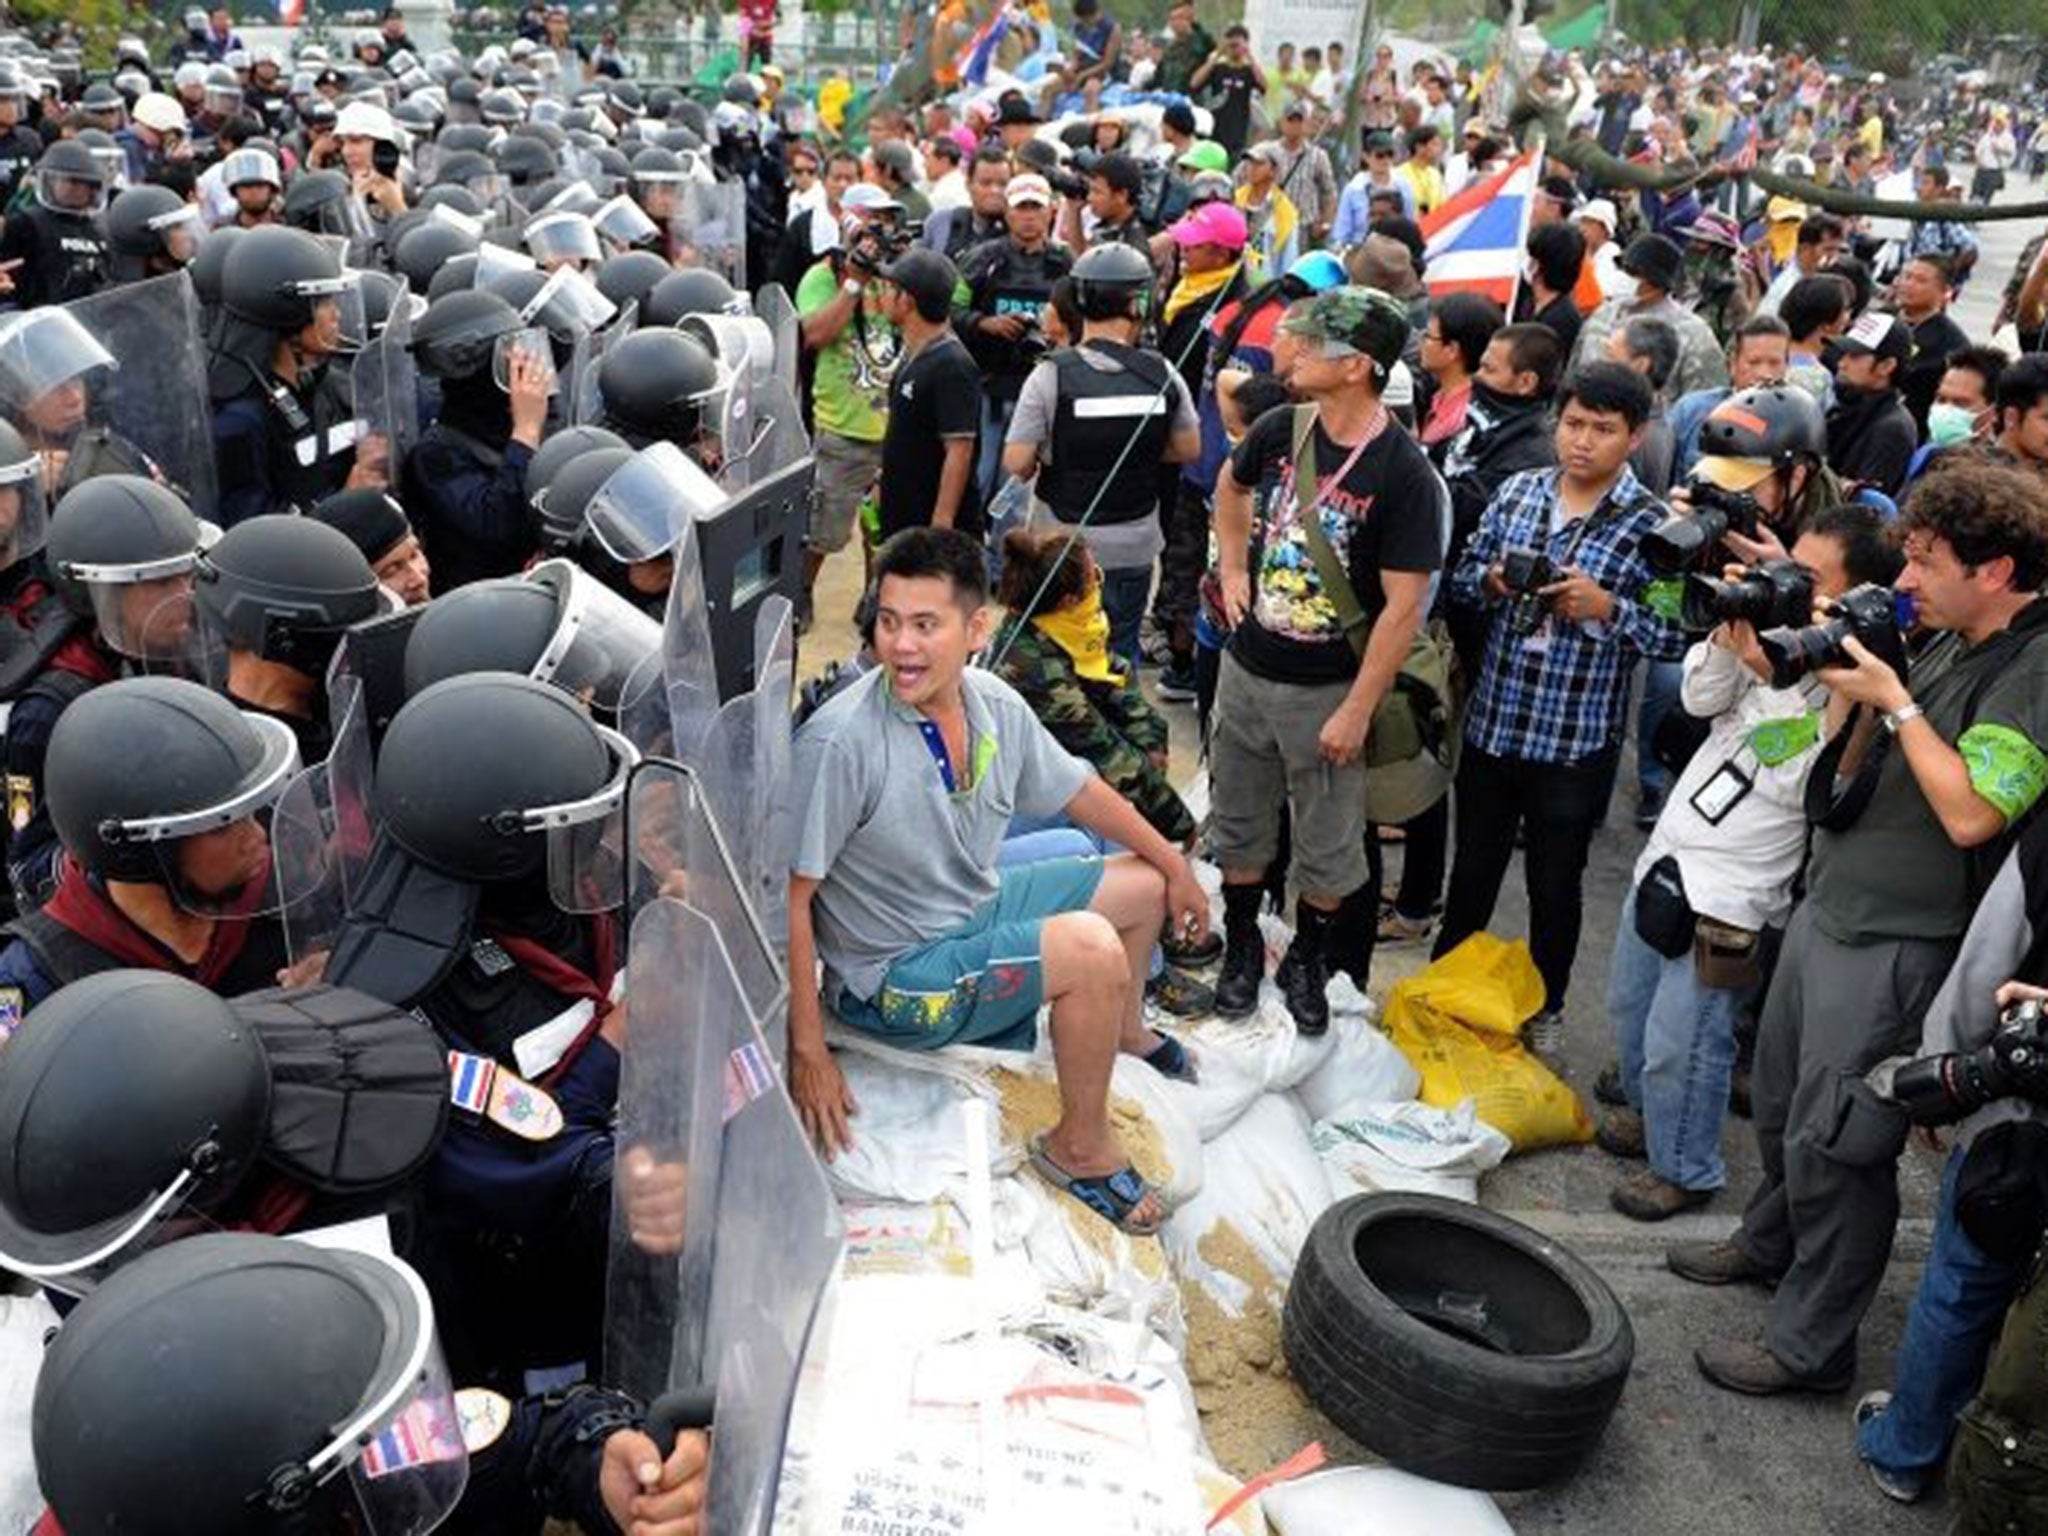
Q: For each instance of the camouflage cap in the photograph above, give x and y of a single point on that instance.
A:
(1363, 319)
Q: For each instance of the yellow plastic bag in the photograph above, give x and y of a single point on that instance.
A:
(1460, 1023)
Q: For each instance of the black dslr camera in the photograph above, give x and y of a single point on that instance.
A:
(1775, 594)
(1524, 572)
(1940, 1090)
(1688, 543)
(877, 245)
(1868, 613)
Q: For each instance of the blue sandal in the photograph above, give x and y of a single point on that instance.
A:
(1115, 1197)
(1169, 1058)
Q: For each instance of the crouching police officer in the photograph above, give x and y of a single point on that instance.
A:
(284, 428)
(486, 905)
(255, 1386)
(1101, 417)
(156, 788)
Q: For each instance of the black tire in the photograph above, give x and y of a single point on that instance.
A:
(1458, 1344)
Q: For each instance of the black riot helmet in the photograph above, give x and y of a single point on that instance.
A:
(478, 772)
(208, 765)
(93, 1161)
(244, 1385)
(428, 246)
(628, 277)
(565, 500)
(463, 138)
(692, 291)
(276, 277)
(459, 334)
(380, 297)
(1777, 424)
(453, 277)
(70, 180)
(210, 262)
(558, 449)
(654, 385)
(148, 222)
(525, 161)
(121, 551)
(284, 588)
(500, 625)
(444, 194)
(321, 203)
(1110, 280)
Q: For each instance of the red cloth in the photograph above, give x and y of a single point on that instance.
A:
(87, 911)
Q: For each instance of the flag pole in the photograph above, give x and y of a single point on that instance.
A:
(1536, 154)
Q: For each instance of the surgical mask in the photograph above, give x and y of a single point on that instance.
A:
(1948, 424)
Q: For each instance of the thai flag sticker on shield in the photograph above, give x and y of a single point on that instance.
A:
(424, 1432)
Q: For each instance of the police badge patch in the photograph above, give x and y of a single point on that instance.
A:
(21, 800)
(12, 1006)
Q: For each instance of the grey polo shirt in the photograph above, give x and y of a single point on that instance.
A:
(899, 858)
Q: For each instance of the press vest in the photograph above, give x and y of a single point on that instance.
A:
(1097, 414)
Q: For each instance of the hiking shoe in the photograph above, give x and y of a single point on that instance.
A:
(1544, 1034)
(1748, 1366)
(1644, 1196)
(1396, 929)
(1176, 992)
(1721, 1263)
(1621, 1134)
(1244, 952)
(1306, 970)
(1193, 955)
(1904, 1487)
(1607, 1087)
(1176, 684)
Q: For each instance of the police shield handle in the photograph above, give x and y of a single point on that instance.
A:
(673, 1412)
(372, 468)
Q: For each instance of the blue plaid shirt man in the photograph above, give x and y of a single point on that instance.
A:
(1559, 693)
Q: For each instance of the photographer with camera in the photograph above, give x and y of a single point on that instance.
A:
(846, 324)
(1915, 790)
(1007, 282)
(1557, 560)
(1983, 1067)
(1721, 861)
(1100, 417)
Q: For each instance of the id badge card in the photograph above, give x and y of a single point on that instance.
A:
(1722, 792)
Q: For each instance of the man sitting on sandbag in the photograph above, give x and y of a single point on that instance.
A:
(905, 785)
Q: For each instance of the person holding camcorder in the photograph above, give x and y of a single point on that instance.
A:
(1722, 860)
(1912, 800)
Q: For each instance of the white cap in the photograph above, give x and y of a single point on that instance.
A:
(161, 113)
(1601, 212)
(360, 120)
(1639, 120)
(1400, 388)
(865, 197)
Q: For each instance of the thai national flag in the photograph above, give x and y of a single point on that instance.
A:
(469, 1080)
(981, 48)
(1475, 240)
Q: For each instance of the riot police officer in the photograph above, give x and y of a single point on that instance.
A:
(20, 145)
(52, 372)
(247, 1385)
(151, 232)
(1101, 417)
(60, 241)
(692, 291)
(630, 276)
(465, 482)
(273, 598)
(167, 869)
(120, 572)
(284, 431)
(655, 386)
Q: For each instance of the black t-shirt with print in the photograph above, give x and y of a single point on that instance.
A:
(934, 396)
(1230, 88)
(1388, 513)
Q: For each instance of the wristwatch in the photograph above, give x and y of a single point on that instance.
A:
(1898, 717)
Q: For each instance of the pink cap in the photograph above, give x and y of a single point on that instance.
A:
(964, 137)
(1212, 224)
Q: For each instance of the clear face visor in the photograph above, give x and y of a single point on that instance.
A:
(639, 512)
(455, 218)
(562, 237)
(600, 640)
(75, 1262)
(402, 1453)
(570, 305)
(113, 161)
(41, 353)
(146, 611)
(496, 262)
(216, 861)
(24, 510)
(339, 321)
(245, 166)
(574, 198)
(587, 838)
(63, 192)
(534, 345)
(179, 231)
(625, 224)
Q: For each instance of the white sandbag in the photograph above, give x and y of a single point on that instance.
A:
(1083, 1262)
(1217, 1488)
(1230, 1079)
(1410, 1146)
(909, 1142)
(1263, 1180)
(1352, 1500)
(1364, 1068)
(23, 1322)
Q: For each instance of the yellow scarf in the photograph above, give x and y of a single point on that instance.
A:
(1082, 631)
(1198, 288)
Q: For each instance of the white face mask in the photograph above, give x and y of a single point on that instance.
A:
(1948, 425)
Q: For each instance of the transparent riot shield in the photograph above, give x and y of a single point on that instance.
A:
(147, 414)
(586, 404)
(322, 831)
(763, 440)
(725, 1297)
(689, 660)
(369, 668)
(710, 228)
(743, 762)
(778, 313)
(387, 388)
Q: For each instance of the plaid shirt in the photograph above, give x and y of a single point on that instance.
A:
(1560, 695)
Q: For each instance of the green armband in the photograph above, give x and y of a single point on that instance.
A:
(2006, 768)
(1776, 742)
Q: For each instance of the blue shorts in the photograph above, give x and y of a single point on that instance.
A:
(981, 984)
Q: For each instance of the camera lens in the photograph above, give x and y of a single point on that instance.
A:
(1684, 542)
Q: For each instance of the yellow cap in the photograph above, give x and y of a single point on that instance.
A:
(1732, 474)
